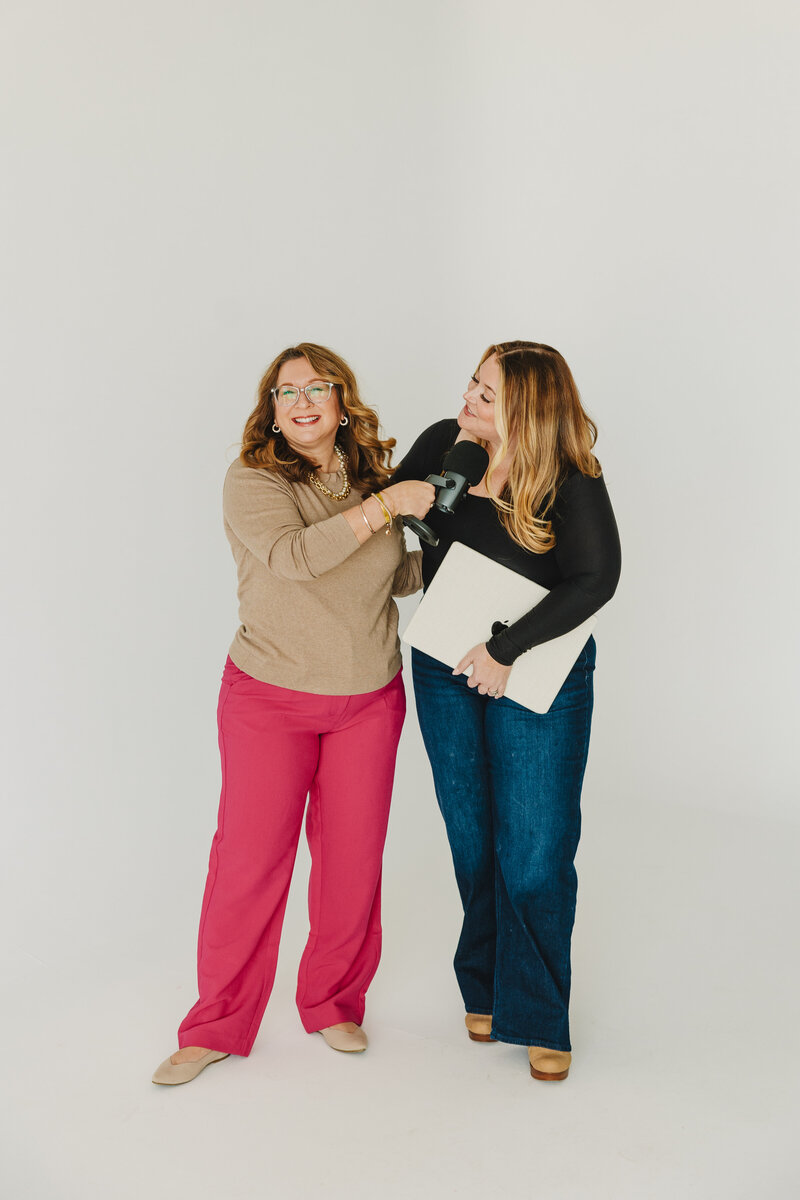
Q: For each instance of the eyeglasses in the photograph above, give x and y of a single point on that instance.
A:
(316, 393)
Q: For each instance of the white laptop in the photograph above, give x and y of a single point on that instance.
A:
(467, 595)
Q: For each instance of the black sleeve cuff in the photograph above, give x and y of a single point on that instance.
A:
(501, 648)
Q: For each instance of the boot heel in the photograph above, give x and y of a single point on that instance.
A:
(479, 1027)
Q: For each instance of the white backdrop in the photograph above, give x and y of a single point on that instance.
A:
(189, 188)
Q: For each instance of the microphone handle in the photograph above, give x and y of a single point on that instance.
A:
(423, 531)
(447, 498)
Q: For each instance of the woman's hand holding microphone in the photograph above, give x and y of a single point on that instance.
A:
(413, 498)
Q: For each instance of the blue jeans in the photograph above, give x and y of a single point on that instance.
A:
(508, 782)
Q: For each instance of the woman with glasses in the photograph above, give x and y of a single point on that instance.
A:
(508, 780)
(311, 705)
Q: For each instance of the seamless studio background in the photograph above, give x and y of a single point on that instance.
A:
(189, 188)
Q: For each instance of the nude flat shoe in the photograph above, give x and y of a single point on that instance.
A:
(341, 1039)
(479, 1027)
(172, 1073)
(549, 1064)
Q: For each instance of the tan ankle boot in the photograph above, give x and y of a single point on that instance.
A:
(479, 1027)
(549, 1064)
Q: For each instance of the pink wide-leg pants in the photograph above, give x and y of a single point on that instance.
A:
(279, 747)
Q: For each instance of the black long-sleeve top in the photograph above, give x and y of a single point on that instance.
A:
(580, 572)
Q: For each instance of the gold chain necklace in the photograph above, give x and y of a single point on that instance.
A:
(345, 492)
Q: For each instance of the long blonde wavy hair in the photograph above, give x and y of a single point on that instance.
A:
(541, 421)
(368, 456)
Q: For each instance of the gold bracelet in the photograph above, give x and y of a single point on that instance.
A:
(366, 519)
(387, 516)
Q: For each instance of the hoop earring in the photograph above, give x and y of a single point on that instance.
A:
(275, 428)
(345, 420)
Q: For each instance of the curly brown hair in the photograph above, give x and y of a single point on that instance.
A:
(368, 455)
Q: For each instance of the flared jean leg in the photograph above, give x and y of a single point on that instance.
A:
(537, 763)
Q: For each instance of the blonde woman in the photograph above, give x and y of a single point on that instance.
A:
(508, 780)
(311, 706)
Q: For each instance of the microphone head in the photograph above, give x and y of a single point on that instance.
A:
(467, 459)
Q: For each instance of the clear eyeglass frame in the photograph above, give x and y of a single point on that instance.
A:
(287, 397)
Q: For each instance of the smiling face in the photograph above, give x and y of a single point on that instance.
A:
(477, 415)
(310, 429)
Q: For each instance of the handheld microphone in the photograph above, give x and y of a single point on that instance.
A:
(464, 467)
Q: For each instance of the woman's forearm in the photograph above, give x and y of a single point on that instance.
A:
(366, 518)
(563, 609)
(588, 555)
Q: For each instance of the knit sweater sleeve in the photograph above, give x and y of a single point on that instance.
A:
(408, 576)
(261, 511)
(588, 555)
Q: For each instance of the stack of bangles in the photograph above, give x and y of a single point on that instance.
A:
(387, 516)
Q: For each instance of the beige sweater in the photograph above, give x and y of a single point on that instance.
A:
(316, 608)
